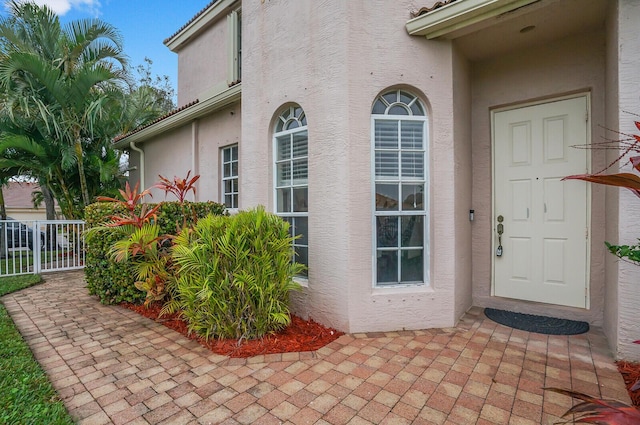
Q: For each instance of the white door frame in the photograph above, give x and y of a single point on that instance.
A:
(587, 96)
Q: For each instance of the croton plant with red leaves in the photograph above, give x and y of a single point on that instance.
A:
(179, 187)
(593, 410)
(627, 180)
(147, 250)
(131, 198)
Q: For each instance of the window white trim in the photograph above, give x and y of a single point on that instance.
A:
(229, 197)
(414, 114)
(290, 122)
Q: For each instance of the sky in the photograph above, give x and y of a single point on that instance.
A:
(144, 25)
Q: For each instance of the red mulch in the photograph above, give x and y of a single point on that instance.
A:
(300, 335)
(630, 372)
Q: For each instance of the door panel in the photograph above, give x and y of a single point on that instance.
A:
(545, 239)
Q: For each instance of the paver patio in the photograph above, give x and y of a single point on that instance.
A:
(110, 365)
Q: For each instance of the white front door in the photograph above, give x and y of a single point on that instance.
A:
(545, 235)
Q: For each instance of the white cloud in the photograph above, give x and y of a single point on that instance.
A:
(61, 7)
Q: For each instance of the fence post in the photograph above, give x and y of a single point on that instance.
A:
(37, 249)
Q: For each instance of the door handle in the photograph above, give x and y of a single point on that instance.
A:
(500, 230)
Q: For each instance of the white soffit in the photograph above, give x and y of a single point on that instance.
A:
(460, 14)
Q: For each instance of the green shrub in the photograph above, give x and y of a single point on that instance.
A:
(172, 216)
(234, 275)
(114, 282)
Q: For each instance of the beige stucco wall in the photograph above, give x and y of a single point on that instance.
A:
(610, 313)
(628, 205)
(202, 63)
(573, 64)
(305, 67)
(193, 147)
(24, 214)
(462, 166)
(333, 59)
(168, 155)
(213, 133)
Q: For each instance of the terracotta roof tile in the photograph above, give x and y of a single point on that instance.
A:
(437, 5)
(165, 116)
(166, 40)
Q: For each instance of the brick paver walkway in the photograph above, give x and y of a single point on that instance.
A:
(110, 365)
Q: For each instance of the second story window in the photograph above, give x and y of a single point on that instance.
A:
(230, 176)
(234, 47)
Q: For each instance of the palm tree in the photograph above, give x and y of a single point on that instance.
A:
(64, 79)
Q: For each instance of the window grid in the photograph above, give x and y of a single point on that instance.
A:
(291, 178)
(399, 141)
(230, 189)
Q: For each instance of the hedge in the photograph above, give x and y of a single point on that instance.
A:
(113, 282)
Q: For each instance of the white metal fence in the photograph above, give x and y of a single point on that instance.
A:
(38, 246)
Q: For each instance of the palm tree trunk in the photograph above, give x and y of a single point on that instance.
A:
(67, 210)
(83, 177)
(49, 203)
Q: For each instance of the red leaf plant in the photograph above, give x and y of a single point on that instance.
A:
(148, 252)
(627, 180)
(636, 386)
(179, 187)
(592, 410)
(130, 198)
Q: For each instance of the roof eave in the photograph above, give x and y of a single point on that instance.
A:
(200, 22)
(460, 14)
(212, 104)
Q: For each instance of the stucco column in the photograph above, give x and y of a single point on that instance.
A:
(628, 294)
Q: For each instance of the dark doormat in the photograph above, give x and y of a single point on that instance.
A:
(539, 324)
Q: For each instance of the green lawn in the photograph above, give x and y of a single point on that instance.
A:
(26, 395)
(22, 261)
(17, 262)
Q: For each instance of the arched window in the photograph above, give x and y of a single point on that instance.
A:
(400, 168)
(292, 176)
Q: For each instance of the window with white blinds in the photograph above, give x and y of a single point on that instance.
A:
(292, 177)
(399, 139)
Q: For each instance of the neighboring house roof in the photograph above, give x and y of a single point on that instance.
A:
(19, 194)
(437, 5)
(157, 120)
(166, 40)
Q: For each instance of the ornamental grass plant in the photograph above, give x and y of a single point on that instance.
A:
(234, 275)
